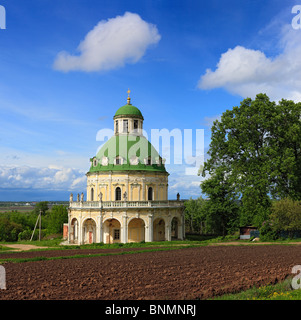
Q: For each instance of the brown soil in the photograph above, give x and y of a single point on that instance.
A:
(190, 273)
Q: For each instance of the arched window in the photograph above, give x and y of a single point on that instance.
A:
(92, 194)
(125, 126)
(95, 162)
(150, 193)
(135, 126)
(117, 194)
(118, 160)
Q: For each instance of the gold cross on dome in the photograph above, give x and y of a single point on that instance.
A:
(129, 99)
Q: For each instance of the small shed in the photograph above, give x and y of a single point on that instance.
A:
(246, 232)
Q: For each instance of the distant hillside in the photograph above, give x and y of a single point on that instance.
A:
(24, 206)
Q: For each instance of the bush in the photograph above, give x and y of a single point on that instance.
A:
(52, 236)
(267, 232)
(25, 235)
(9, 230)
(36, 234)
(286, 216)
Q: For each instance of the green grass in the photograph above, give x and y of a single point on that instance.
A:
(279, 291)
(47, 244)
(21, 260)
(197, 240)
(2, 248)
(190, 241)
(55, 244)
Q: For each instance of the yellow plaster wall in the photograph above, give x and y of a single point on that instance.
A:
(124, 181)
(135, 194)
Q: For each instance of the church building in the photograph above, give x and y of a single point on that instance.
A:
(127, 191)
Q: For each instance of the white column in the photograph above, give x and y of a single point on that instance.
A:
(143, 189)
(69, 227)
(168, 229)
(130, 125)
(99, 236)
(146, 234)
(75, 231)
(124, 229)
(80, 230)
(180, 229)
(127, 187)
(110, 187)
(150, 232)
(97, 189)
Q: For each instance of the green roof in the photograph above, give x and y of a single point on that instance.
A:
(130, 110)
(128, 147)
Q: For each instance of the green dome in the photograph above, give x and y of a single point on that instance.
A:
(129, 110)
(133, 152)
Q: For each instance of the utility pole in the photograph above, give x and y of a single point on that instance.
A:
(40, 225)
(38, 220)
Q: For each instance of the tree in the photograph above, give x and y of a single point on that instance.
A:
(286, 141)
(57, 217)
(221, 209)
(259, 145)
(194, 215)
(41, 206)
(9, 230)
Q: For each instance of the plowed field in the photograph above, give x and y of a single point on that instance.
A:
(190, 273)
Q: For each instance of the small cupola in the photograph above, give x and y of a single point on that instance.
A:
(128, 119)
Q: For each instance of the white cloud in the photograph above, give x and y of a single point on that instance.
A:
(50, 178)
(208, 121)
(247, 72)
(111, 44)
(53, 159)
(187, 185)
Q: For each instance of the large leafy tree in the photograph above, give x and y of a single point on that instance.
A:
(57, 217)
(258, 144)
(286, 143)
(41, 207)
(221, 209)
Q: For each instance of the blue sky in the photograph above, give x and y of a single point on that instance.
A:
(66, 66)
